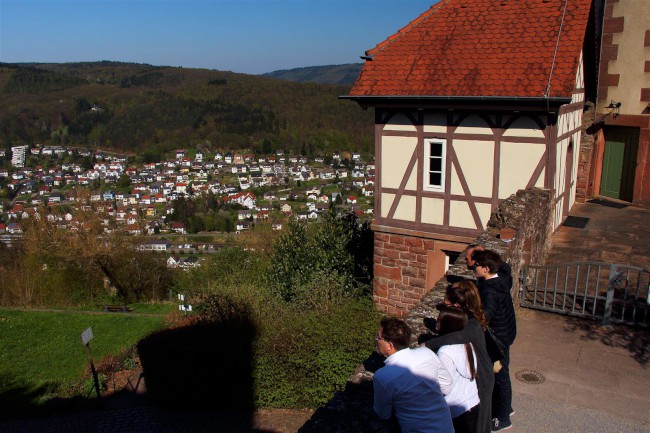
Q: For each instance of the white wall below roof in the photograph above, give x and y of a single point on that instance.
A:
(396, 153)
(435, 123)
(524, 127)
(460, 215)
(476, 162)
(517, 164)
(433, 210)
(473, 124)
(399, 122)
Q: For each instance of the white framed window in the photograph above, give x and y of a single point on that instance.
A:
(435, 153)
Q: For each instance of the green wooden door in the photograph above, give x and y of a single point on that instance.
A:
(619, 162)
(610, 183)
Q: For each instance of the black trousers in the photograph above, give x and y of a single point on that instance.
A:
(466, 423)
(502, 393)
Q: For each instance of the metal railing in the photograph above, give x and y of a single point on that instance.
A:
(612, 293)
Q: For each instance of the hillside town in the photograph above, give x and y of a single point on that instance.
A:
(138, 198)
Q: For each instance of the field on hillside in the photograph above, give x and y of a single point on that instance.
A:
(43, 350)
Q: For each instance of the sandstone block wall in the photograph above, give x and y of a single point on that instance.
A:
(400, 272)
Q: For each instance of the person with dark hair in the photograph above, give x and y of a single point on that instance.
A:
(412, 384)
(500, 314)
(464, 294)
(504, 269)
(468, 254)
(460, 360)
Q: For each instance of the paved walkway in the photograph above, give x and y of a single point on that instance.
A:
(595, 379)
(613, 235)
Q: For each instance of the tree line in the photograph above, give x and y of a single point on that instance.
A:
(141, 108)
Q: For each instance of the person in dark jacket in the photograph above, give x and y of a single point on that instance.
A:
(500, 314)
(464, 294)
(504, 269)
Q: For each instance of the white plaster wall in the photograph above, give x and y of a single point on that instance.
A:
(405, 209)
(517, 164)
(524, 127)
(433, 210)
(460, 215)
(435, 123)
(576, 158)
(475, 159)
(399, 122)
(473, 124)
(484, 211)
(396, 153)
(558, 182)
(386, 203)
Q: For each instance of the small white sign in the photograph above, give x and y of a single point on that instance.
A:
(86, 336)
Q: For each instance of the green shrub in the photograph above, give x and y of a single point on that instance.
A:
(306, 356)
(88, 385)
(339, 248)
(301, 355)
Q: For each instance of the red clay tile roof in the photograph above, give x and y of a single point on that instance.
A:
(502, 48)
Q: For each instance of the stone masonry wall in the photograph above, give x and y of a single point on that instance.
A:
(401, 273)
(527, 213)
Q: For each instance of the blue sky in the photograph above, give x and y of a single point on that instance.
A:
(250, 36)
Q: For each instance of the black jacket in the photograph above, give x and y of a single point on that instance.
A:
(498, 307)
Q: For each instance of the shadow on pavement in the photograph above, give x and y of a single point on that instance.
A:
(634, 340)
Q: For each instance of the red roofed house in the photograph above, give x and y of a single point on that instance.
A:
(246, 199)
(474, 100)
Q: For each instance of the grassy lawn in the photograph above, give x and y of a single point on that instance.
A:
(39, 347)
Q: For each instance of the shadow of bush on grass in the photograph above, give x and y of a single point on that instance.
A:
(24, 399)
(206, 365)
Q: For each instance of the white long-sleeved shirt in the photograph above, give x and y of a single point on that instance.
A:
(464, 394)
(411, 386)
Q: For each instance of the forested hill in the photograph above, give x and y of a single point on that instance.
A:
(333, 74)
(150, 110)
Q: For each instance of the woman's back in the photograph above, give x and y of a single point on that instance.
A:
(464, 393)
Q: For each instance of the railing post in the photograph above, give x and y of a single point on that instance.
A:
(523, 284)
(613, 276)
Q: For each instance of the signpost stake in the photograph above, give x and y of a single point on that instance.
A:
(86, 336)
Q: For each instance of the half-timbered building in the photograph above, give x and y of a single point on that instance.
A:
(473, 100)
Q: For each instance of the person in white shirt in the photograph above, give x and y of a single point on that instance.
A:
(412, 383)
(460, 361)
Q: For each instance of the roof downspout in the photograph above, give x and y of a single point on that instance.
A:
(557, 43)
(551, 176)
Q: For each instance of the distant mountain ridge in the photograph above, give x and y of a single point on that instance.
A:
(329, 74)
(151, 110)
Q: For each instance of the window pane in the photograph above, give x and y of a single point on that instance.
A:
(436, 149)
(435, 178)
(436, 164)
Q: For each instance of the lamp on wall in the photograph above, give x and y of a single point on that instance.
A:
(614, 107)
